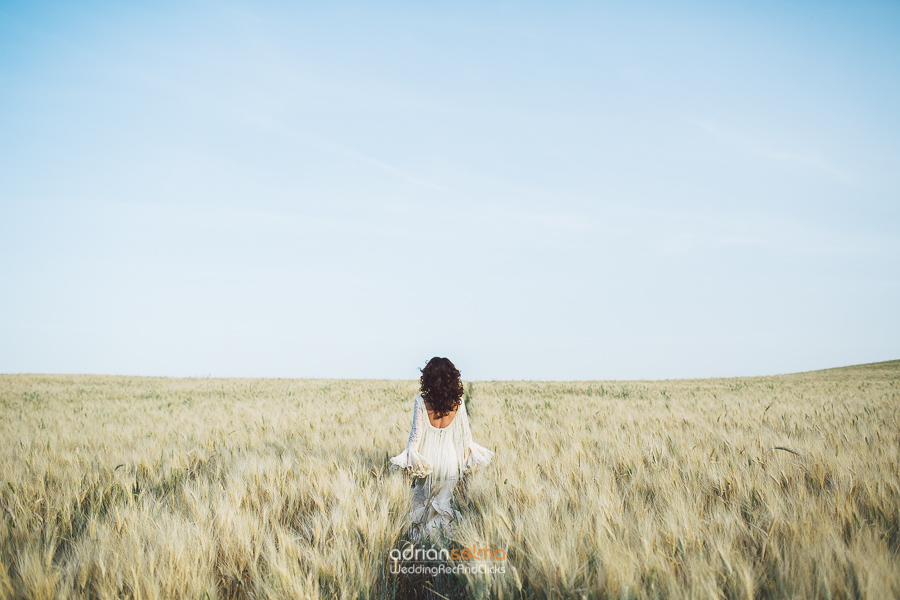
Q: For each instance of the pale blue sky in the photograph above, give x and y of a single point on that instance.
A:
(537, 191)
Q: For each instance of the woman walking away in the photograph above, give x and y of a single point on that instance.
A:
(440, 449)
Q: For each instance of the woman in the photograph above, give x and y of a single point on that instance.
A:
(440, 449)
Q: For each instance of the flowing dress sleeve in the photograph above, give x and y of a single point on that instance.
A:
(475, 455)
(410, 459)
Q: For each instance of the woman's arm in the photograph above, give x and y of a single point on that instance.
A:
(467, 432)
(475, 455)
(415, 431)
(410, 459)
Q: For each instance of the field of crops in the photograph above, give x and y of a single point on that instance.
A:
(768, 487)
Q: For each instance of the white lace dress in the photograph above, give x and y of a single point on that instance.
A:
(436, 460)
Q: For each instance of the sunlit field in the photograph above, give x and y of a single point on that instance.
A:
(766, 487)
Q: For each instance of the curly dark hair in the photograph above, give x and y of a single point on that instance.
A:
(442, 389)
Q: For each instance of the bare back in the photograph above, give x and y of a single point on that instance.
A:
(442, 422)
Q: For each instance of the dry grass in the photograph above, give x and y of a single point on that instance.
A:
(771, 487)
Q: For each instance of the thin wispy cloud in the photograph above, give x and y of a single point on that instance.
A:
(759, 147)
(392, 170)
(814, 162)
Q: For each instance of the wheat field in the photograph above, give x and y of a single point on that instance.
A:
(766, 487)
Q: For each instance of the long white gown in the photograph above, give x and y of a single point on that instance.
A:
(436, 459)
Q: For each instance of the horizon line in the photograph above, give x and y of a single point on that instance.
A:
(209, 377)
